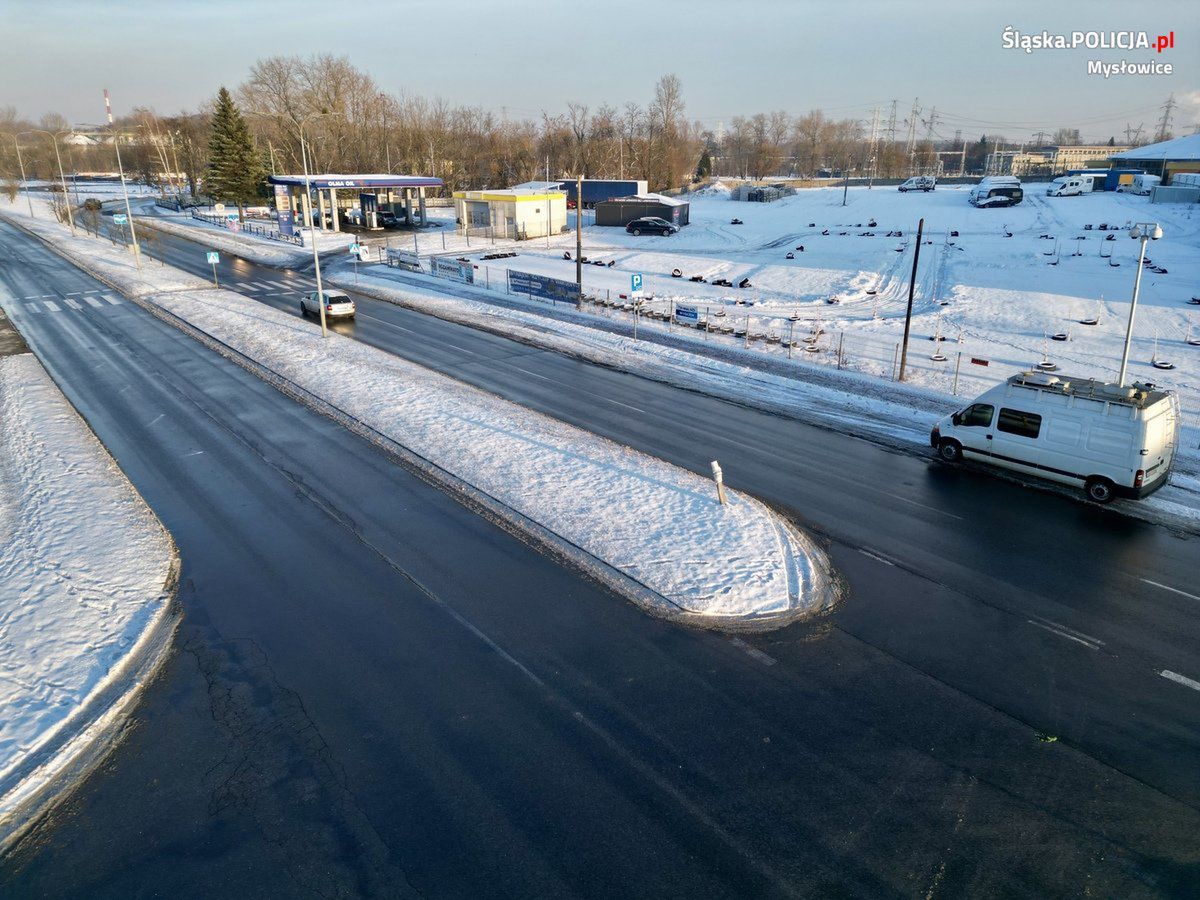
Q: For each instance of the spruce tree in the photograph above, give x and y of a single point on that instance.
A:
(235, 167)
(704, 167)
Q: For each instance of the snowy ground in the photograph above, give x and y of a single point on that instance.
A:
(85, 572)
(658, 526)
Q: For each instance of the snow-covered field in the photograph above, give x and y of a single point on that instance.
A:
(660, 527)
(989, 296)
(85, 572)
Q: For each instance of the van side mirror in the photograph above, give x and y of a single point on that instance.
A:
(956, 418)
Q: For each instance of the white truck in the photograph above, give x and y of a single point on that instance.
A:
(1071, 185)
(1141, 185)
(1110, 440)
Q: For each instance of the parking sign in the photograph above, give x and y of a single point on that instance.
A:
(635, 284)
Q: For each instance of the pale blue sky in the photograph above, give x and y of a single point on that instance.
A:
(733, 57)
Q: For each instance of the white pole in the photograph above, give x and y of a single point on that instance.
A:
(1137, 285)
(312, 231)
(21, 163)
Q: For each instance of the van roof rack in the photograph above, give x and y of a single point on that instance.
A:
(1138, 395)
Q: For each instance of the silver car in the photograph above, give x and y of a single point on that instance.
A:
(338, 305)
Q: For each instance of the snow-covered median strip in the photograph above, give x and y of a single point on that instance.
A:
(86, 584)
(651, 530)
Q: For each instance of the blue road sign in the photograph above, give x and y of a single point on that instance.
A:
(688, 314)
(120, 219)
(635, 282)
(213, 257)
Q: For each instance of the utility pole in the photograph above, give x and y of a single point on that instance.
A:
(137, 251)
(891, 126)
(912, 133)
(1143, 232)
(579, 240)
(61, 177)
(912, 287)
(17, 143)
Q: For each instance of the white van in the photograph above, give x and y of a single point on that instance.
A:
(1143, 184)
(1071, 186)
(919, 183)
(997, 191)
(1109, 440)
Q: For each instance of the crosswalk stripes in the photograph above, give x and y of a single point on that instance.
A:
(111, 299)
(92, 301)
(248, 287)
(280, 284)
(72, 303)
(50, 305)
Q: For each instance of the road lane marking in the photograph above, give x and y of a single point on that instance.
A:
(72, 303)
(73, 293)
(753, 652)
(50, 305)
(582, 391)
(1167, 587)
(155, 419)
(1180, 679)
(922, 505)
(876, 557)
(93, 291)
(1064, 632)
(193, 453)
(111, 299)
(249, 287)
(92, 301)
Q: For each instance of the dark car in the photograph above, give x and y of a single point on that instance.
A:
(651, 225)
(387, 219)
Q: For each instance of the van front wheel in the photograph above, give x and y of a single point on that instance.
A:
(1099, 490)
(950, 451)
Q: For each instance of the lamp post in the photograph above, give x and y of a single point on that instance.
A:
(1144, 232)
(116, 136)
(61, 177)
(20, 162)
(316, 257)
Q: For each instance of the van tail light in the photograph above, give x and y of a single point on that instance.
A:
(1137, 479)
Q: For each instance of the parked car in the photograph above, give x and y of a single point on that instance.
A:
(919, 183)
(387, 219)
(997, 191)
(650, 225)
(1112, 441)
(338, 305)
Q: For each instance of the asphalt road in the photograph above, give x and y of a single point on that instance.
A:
(378, 693)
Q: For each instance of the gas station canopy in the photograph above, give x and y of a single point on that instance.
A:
(368, 182)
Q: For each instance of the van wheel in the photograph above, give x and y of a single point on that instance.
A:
(303, 311)
(1099, 490)
(950, 451)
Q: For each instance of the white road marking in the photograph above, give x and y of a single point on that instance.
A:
(753, 652)
(194, 453)
(34, 308)
(246, 286)
(92, 291)
(1064, 632)
(581, 391)
(876, 557)
(280, 284)
(155, 419)
(73, 293)
(92, 301)
(111, 299)
(922, 505)
(1167, 587)
(74, 304)
(50, 305)
(1180, 679)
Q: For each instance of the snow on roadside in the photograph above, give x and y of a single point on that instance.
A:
(660, 527)
(86, 574)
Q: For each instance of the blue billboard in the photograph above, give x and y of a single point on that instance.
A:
(283, 210)
(552, 289)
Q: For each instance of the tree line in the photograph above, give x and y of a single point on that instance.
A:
(351, 124)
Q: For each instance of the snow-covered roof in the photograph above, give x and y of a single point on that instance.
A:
(536, 187)
(1187, 147)
(652, 197)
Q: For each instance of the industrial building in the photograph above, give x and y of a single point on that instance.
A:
(369, 193)
(1165, 159)
(623, 210)
(530, 210)
(760, 193)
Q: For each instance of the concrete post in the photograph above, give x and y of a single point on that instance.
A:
(421, 201)
(320, 210)
(333, 209)
(408, 214)
(306, 212)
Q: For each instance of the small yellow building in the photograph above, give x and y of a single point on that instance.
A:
(529, 210)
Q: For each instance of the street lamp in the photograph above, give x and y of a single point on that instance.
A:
(17, 144)
(61, 177)
(1144, 232)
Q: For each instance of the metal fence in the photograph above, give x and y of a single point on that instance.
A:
(250, 228)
